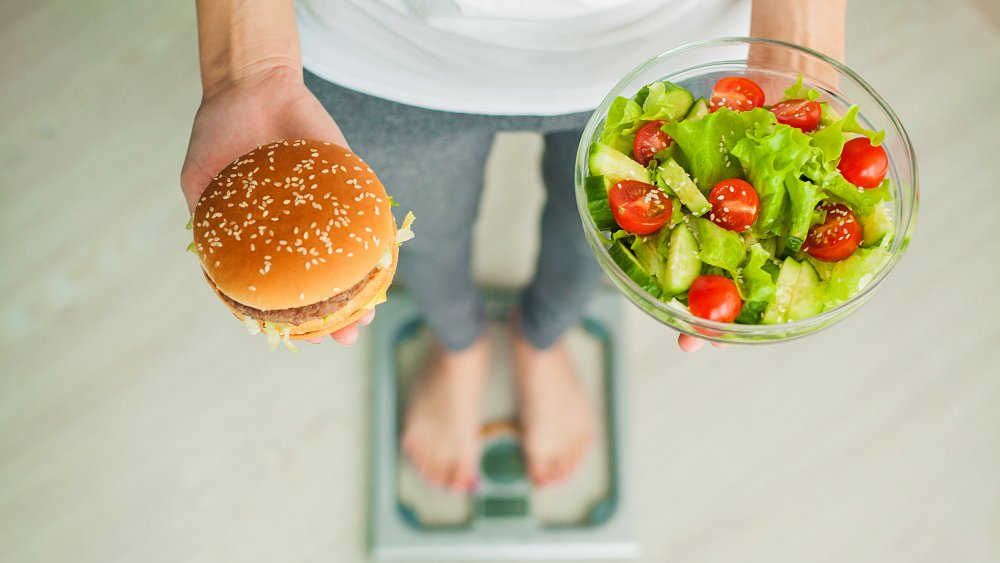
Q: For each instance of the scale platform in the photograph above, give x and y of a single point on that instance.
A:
(587, 516)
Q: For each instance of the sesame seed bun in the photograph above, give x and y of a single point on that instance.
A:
(293, 224)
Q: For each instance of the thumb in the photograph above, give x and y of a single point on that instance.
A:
(194, 180)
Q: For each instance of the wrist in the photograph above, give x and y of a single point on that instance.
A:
(275, 74)
(245, 42)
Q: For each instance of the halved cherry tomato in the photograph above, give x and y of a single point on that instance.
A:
(836, 238)
(715, 298)
(862, 164)
(734, 205)
(649, 140)
(639, 207)
(736, 93)
(802, 114)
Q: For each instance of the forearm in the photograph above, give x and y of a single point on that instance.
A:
(817, 24)
(240, 38)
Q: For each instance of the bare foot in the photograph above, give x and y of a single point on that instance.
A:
(557, 419)
(441, 435)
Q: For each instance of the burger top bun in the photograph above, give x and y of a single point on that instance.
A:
(292, 223)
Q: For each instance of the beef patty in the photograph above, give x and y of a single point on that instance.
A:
(299, 315)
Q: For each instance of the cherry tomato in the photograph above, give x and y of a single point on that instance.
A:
(862, 164)
(649, 140)
(736, 93)
(801, 114)
(715, 298)
(734, 205)
(837, 237)
(638, 207)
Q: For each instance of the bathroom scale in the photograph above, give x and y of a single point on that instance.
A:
(586, 516)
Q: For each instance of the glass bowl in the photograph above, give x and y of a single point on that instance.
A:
(774, 65)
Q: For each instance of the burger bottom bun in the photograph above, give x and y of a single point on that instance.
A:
(370, 294)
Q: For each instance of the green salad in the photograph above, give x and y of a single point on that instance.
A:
(740, 211)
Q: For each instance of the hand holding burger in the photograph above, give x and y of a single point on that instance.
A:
(296, 237)
(239, 111)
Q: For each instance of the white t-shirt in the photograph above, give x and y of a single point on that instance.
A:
(500, 57)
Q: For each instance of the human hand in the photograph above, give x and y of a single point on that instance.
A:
(349, 334)
(689, 343)
(234, 118)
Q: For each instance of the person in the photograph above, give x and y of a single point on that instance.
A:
(419, 90)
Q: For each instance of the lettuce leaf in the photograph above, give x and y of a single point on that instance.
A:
(704, 145)
(718, 247)
(753, 282)
(773, 155)
(861, 200)
(405, 233)
(751, 313)
(803, 197)
(798, 91)
(831, 138)
(850, 276)
(621, 124)
(657, 101)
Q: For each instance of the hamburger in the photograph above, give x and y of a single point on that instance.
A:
(296, 237)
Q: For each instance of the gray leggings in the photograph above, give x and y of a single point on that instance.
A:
(432, 162)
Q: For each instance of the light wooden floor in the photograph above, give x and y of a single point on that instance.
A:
(138, 422)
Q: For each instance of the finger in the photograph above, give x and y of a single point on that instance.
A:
(317, 340)
(689, 343)
(347, 335)
(720, 345)
(367, 318)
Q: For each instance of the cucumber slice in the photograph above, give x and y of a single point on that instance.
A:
(683, 264)
(644, 247)
(615, 166)
(681, 184)
(777, 311)
(719, 247)
(807, 295)
(658, 180)
(876, 227)
(698, 110)
(632, 268)
(675, 101)
(824, 269)
(677, 214)
(597, 201)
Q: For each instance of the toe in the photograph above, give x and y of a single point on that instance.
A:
(438, 471)
(565, 466)
(536, 470)
(461, 477)
(546, 472)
